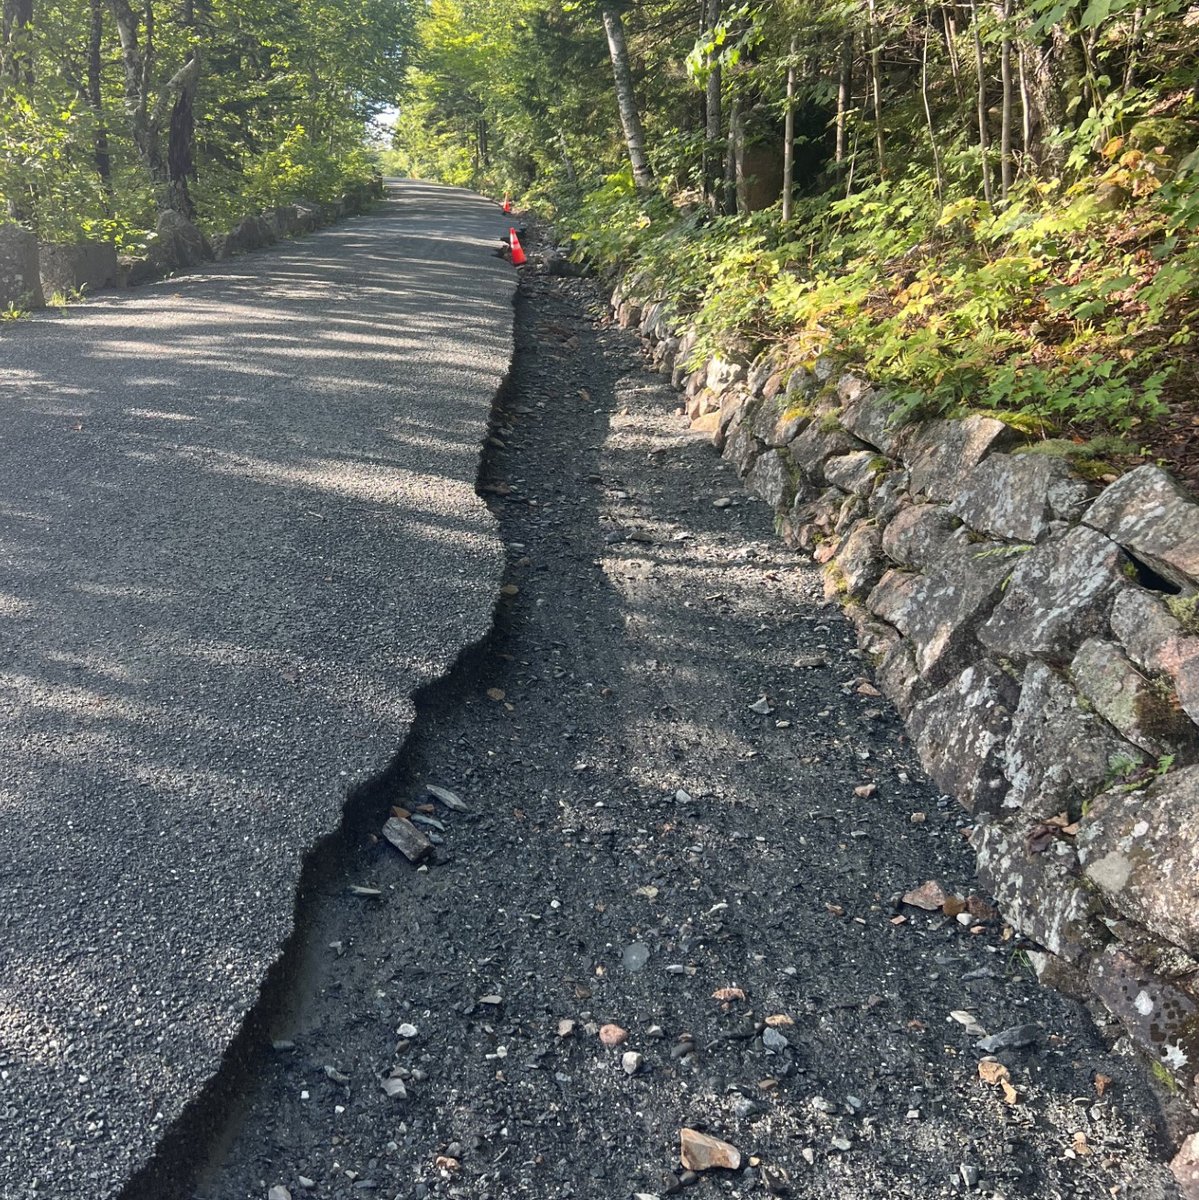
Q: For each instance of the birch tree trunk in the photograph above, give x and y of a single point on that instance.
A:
(844, 95)
(712, 154)
(626, 101)
(789, 141)
(984, 137)
(1005, 125)
(876, 87)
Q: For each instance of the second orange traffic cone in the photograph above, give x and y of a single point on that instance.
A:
(518, 254)
(507, 203)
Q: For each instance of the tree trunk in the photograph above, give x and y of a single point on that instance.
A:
(984, 137)
(181, 140)
(928, 111)
(951, 50)
(844, 95)
(16, 64)
(626, 102)
(876, 87)
(1005, 123)
(95, 46)
(789, 141)
(712, 114)
(735, 140)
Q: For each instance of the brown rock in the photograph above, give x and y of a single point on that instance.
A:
(1156, 641)
(1185, 1168)
(940, 454)
(699, 1152)
(930, 896)
(613, 1035)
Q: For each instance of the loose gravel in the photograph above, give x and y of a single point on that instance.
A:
(673, 904)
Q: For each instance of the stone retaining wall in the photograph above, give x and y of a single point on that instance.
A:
(30, 271)
(1038, 632)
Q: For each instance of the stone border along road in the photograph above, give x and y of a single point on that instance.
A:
(238, 529)
(646, 847)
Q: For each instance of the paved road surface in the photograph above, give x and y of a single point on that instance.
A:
(238, 528)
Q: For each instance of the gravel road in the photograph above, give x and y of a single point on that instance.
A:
(672, 903)
(238, 529)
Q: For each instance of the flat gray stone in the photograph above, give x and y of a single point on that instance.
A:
(859, 560)
(854, 472)
(770, 479)
(1037, 893)
(959, 733)
(819, 442)
(20, 277)
(1059, 594)
(1007, 495)
(1059, 753)
(1156, 642)
(919, 535)
(1144, 711)
(941, 454)
(1155, 520)
(1141, 849)
(868, 415)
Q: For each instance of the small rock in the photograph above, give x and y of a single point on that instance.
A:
(566, 1027)
(395, 1089)
(722, 502)
(775, 1180)
(930, 896)
(840, 1142)
(1009, 1039)
(808, 1155)
(969, 1174)
(635, 957)
(761, 706)
(406, 1030)
(631, 1062)
(774, 1041)
(337, 1077)
(306, 1183)
(613, 1035)
(969, 1021)
(699, 1152)
(278, 1192)
(448, 798)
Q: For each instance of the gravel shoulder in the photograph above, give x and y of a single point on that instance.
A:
(689, 818)
(238, 529)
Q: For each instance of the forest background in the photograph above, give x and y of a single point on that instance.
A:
(987, 205)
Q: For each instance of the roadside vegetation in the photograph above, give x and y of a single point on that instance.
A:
(112, 111)
(984, 206)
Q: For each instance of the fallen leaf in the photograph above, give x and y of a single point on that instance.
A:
(953, 905)
(835, 909)
(900, 920)
(980, 910)
(969, 1021)
(1102, 1083)
(868, 689)
(728, 993)
(866, 790)
(1080, 1144)
(930, 896)
(648, 891)
(1009, 1092)
(779, 1019)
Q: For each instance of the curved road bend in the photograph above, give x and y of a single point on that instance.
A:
(238, 528)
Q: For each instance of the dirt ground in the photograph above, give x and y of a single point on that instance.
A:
(690, 817)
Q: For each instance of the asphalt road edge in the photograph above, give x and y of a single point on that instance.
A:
(190, 1140)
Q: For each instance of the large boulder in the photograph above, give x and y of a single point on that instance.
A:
(1009, 495)
(20, 278)
(1150, 515)
(1143, 709)
(77, 266)
(868, 415)
(1037, 888)
(1059, 594)
(176, 244)
(960, 732)
(919, 536)
(1157, 642)
(1059, 753)
(941, 454)
(1141, 848)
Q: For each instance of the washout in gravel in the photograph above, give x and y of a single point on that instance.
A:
(672, 902)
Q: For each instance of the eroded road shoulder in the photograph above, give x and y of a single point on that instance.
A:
(238, 528)
(670, 905)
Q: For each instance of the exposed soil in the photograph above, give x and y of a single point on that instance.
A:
(639, 838)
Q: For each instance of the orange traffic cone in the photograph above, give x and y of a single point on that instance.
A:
(518, 254)
(507, 203)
